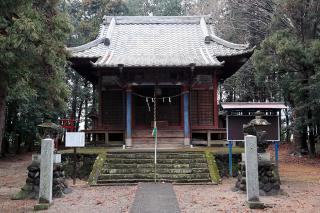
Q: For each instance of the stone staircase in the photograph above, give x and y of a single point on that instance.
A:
(134, 167)
(171, 139)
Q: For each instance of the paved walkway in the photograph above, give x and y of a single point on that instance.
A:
(155, 198)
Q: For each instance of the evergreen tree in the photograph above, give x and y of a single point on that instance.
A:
(32, 63)
(290, 58)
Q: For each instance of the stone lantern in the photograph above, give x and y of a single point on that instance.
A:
(256, 127)
(269, 181)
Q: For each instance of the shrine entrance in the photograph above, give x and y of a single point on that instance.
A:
(168, 107)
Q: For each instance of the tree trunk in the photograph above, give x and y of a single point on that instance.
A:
(74, 98)
(287, 126)
(18, 143)
(304, 144)
(3, 95)
(30, 140)
(79, 114)
(86, 107)
(297, 136)
(312, 144)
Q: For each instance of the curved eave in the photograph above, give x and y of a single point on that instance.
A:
(150, 66)
(86, 46)
(228, 44)
(245, 53)
(233, 63)
(84, 68)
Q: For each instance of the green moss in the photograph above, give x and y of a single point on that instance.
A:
(213, 168)
(97, 168)
(41, 206)
(100, 150)
(21, 195)
(26, 192)
(87, 150)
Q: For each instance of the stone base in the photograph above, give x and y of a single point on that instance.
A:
(269, 181)
(186, 141)
(255, 205)
(42, 206)
(128, 142)
(31, 189)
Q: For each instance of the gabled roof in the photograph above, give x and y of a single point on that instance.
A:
(148, 41)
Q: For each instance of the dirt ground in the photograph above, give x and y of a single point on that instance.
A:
(300, 182)
(300, 179)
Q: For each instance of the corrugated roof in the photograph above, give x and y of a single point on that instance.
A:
(156, 41)
(253, 105)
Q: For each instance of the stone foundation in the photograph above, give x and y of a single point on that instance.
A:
(31, 188)
(269, 182)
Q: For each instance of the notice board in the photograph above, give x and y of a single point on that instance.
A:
(75, 139)
(235, 127)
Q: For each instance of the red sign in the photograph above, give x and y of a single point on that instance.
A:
(69, 124)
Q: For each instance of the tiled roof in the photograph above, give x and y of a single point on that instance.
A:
(253, 105)
(156, 41)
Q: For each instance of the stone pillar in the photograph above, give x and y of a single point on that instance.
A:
(46, 171)
(186, 117)
(129, 117)
(252, 180)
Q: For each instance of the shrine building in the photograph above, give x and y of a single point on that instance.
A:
(176, 62)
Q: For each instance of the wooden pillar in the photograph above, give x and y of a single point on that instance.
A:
(129, 117)
(215, 103)
(100, 102)
(186, 125)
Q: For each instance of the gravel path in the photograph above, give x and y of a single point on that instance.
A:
(298, 197)
(83, 199)
(300, 182)
(113, 199)
(155, 198)
(300, 178)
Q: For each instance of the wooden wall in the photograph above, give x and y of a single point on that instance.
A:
(112, 108)
(201, 107)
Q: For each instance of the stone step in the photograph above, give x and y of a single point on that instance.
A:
(161, 133)
(160, 146)
(159, 161)
(160, 166)
(151, 176)
(151, 170)
(145, 171)
(151, 156)
(163, 140)
(119, 181)
(132, 167)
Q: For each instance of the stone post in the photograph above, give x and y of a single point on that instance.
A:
(252, 180)
(46, 171)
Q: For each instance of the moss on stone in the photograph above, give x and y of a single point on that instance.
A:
(42, 206)
(21, 195)
(97, 168)
(26, 192)
(213, 168)
(100, 150)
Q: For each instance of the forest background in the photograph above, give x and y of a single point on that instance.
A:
(38, 85)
